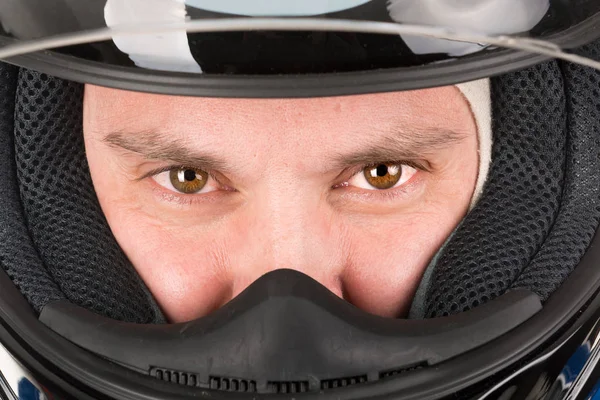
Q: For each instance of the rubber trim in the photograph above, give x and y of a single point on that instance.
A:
(285, 86)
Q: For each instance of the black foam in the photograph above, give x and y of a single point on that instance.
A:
(18, 255)
(540, 206)
(579, 213)
(63, 214)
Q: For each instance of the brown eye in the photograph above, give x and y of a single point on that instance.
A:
(384, 175)
(188, 180)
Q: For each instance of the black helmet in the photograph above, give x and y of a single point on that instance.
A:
(508, 310)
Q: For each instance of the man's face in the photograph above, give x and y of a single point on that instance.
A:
(207, 195)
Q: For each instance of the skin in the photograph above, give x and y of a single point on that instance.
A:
(284, 198)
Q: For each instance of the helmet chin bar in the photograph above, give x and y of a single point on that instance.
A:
(287, 333)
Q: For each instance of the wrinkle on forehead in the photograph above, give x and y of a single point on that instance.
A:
(128, 106)
(324, 128)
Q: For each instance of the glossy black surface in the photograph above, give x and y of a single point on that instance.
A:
(313, 52)
(269, 52)
(293, 63)
(566, 369)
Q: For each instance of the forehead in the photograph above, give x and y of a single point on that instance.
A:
(108, 110)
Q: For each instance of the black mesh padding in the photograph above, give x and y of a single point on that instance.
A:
(540, 207)
(18, 256)
(63, 214)
(579, 213)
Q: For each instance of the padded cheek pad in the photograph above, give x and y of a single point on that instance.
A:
(63, 215)
(541, 204)
(18, 255)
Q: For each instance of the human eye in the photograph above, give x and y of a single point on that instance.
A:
(186, 180)
(382, 176)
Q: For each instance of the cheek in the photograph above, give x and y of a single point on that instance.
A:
(185, 269)
(182, 265)
(390, 254)
(389, 259)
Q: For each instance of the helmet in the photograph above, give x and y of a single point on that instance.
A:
(507, 309)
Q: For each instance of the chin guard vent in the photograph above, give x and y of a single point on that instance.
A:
(341, 382)
(249, 386)
(288, 387)
(232, 384)
(179, 377)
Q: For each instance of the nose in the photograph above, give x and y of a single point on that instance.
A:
(290, 227)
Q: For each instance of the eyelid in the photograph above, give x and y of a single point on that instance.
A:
(218, 181)
(349, 173)
(157, 171)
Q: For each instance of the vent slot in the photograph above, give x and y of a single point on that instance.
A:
(341, 382)
(232, 384)
(394, 372)
(287, 387)
(173, 376)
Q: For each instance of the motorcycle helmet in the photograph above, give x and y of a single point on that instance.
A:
(508, 309)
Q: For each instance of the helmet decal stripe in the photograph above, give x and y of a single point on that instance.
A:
(164, 51)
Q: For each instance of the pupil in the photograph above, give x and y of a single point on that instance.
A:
(382, 170)
(189, 175)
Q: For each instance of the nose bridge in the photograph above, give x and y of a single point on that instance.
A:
(289, 228)
(289, 217)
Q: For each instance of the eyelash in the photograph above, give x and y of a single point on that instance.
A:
(168, 168)
(382, 195)
(385, 194)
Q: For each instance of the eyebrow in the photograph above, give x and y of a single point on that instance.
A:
(402, 144)
(154, 145)
(397, 144)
